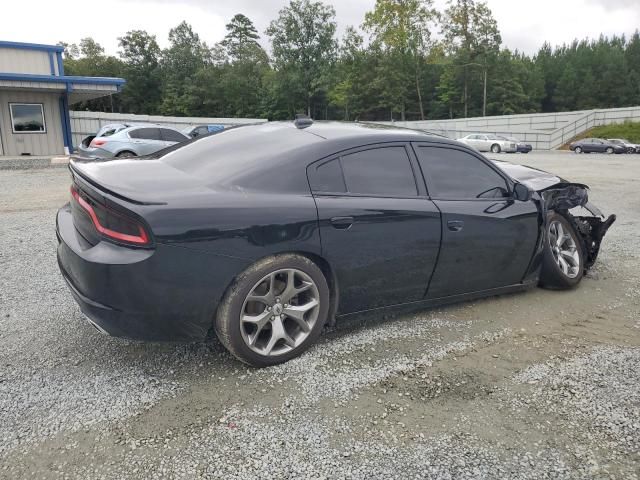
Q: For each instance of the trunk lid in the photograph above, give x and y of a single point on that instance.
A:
(139, 181)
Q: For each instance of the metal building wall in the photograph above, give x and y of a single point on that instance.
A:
(49, 143)
(16, 60)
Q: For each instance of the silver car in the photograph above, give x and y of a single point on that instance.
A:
(486, 142)
(129, 141)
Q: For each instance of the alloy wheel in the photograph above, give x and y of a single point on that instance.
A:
(279, 312)
(564, 249)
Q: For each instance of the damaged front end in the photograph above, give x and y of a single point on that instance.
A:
(572, 201)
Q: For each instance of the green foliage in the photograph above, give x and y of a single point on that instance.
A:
(399, 70)
(627, 130)
(304, 49)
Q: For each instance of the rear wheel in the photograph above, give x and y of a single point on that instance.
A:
(563, 261)
(495, 148)
(126, 154)
(274, 311)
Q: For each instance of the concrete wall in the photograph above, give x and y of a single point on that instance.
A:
(545, 131)
(49, 143)
(88, 123)
(18, 60)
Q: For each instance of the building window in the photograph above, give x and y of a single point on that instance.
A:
(27, 118)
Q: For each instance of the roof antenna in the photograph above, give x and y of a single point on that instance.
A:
(302, 121)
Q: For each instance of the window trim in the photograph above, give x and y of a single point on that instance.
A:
(413, 162)
(509, 183)
(18, 132)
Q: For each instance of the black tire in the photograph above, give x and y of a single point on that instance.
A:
(609, 150)
(551, 275)
(227, 323)
(495, 148)
(126, 154)
(578, 150)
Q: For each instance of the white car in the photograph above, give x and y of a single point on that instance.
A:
(486, 142)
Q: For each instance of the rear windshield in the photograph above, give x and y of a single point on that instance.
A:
(235, 151)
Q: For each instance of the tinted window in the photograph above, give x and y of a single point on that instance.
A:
(327, 177)
(454, 175)
(27, 118)
(171, 135)
(146, 133)
(200, 131)
(380, 171)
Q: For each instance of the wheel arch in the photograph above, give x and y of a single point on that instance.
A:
(321, 262)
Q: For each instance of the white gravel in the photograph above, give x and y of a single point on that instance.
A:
(77, 404)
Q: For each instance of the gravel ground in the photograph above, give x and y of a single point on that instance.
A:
(540, 384)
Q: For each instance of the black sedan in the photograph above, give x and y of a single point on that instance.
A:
(265, 234)
(596, 145)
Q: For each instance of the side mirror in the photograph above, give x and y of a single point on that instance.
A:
(521, 192)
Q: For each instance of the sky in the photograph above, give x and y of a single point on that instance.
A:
(525, 25)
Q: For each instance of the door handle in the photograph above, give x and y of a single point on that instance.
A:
(455, 225)
(342, 223)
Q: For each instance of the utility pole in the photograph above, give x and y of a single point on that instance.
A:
(484, 98)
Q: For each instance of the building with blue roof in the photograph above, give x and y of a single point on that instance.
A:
(35, 95)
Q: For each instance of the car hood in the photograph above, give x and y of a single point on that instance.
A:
(533, 178)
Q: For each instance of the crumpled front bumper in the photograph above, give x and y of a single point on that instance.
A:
(592, 229)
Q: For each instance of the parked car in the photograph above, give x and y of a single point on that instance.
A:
(521, 147)
(484, 142)
(131, 141)
(295, 225)
(200, 130)
(596, 145)
(105, 131)
(631, 147)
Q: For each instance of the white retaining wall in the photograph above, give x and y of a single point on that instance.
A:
(544, 131)
(88, 123)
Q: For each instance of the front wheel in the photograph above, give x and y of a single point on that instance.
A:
(609, 150)
(563, 260)
(495, 148)
(578, 149)
(274, 310)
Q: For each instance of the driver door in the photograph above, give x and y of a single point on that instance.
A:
(488, 238)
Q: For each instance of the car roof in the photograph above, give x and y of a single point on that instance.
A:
(267, 155)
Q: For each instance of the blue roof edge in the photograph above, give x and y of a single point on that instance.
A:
(31, 46)
(27, 77)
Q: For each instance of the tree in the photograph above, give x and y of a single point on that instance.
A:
(186, 55)
(402, 28)
(241, 36)
(141, 55)
(471, 36)
(304, 48)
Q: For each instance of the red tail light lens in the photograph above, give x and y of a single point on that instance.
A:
(112, 224)
(97, 142)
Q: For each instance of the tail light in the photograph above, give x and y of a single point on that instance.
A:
(97, 142)
(111, 224)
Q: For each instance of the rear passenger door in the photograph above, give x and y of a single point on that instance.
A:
(171, 137)
(146, 140)
(488, 238)
(379, 231)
